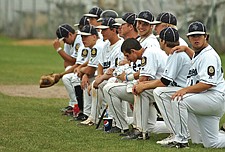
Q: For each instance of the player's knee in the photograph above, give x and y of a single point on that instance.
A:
(210, 144)
(157, 91)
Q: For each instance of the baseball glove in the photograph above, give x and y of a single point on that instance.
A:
(49, 80)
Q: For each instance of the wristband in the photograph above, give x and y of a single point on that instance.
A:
(129, 77)
(59, 49)
(126, 77)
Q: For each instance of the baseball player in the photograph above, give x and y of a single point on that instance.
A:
(166, 19)
(72, 42)
(107, 62)
(93, 15)
(174, 75)
(145, 27)
(153, 63)
(128, 30)
(128, 25)
(90, 39)
(163, 20)
(204, 96)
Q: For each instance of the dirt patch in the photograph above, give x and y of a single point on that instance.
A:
(34, 91)
(34, 42)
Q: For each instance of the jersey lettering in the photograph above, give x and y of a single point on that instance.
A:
(106, 65)
(192, 72)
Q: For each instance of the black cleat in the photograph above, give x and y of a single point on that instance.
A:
(177, 145)
(81, 117)
(134, 135)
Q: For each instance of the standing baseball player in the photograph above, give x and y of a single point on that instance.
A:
(204, 97)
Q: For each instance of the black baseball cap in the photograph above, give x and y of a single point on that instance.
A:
(169, 34)
(145, 16)
(88, 30)
(127, 18)
(64, 30)
(83, 21)
(108, 14)
(166, 17)
(107, 23)
(196, 28)
(95, 12)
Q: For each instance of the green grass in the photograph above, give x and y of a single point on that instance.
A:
(34, 125)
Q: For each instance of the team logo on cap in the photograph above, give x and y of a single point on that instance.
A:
(77, 46)
(143, 61)
(195, 27)
(145, 15)
(211, 71)
(93, 52)
(84, 53)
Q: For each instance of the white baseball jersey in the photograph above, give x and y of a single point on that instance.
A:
(182, 42)
(150, 41)
(207, 71)
(83, 54)
(73, 49)
(176, 70)
(111, 55)
(96, 52)
(153, 62)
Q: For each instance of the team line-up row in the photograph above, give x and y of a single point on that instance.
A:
(118, 63)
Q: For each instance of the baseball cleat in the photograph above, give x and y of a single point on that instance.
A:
(176, 145)
(167, 140)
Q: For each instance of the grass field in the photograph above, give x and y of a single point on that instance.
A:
(34, 125)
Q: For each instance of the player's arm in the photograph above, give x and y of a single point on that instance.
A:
(68, 60)
(186, 49)
(197, 88)
(70, 70)
(88, 70)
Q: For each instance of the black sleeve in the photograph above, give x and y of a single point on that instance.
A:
(165, 81)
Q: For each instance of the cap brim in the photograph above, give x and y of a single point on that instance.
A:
(196, 32)
(99, 20)
(90, 15)
(102, 27)
(61, 39)
(84, 33)
(144, 20)
(120, 21)
(117, 24)
(76, 25)
(156, 22)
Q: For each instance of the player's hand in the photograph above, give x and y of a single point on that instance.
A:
(89, 90)
(121, 76)
(138, 88)
(56, 44)
(178, 49)
(84, 82)
(177, 96)
(97, 81)
(109, 71)
(123, 62)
